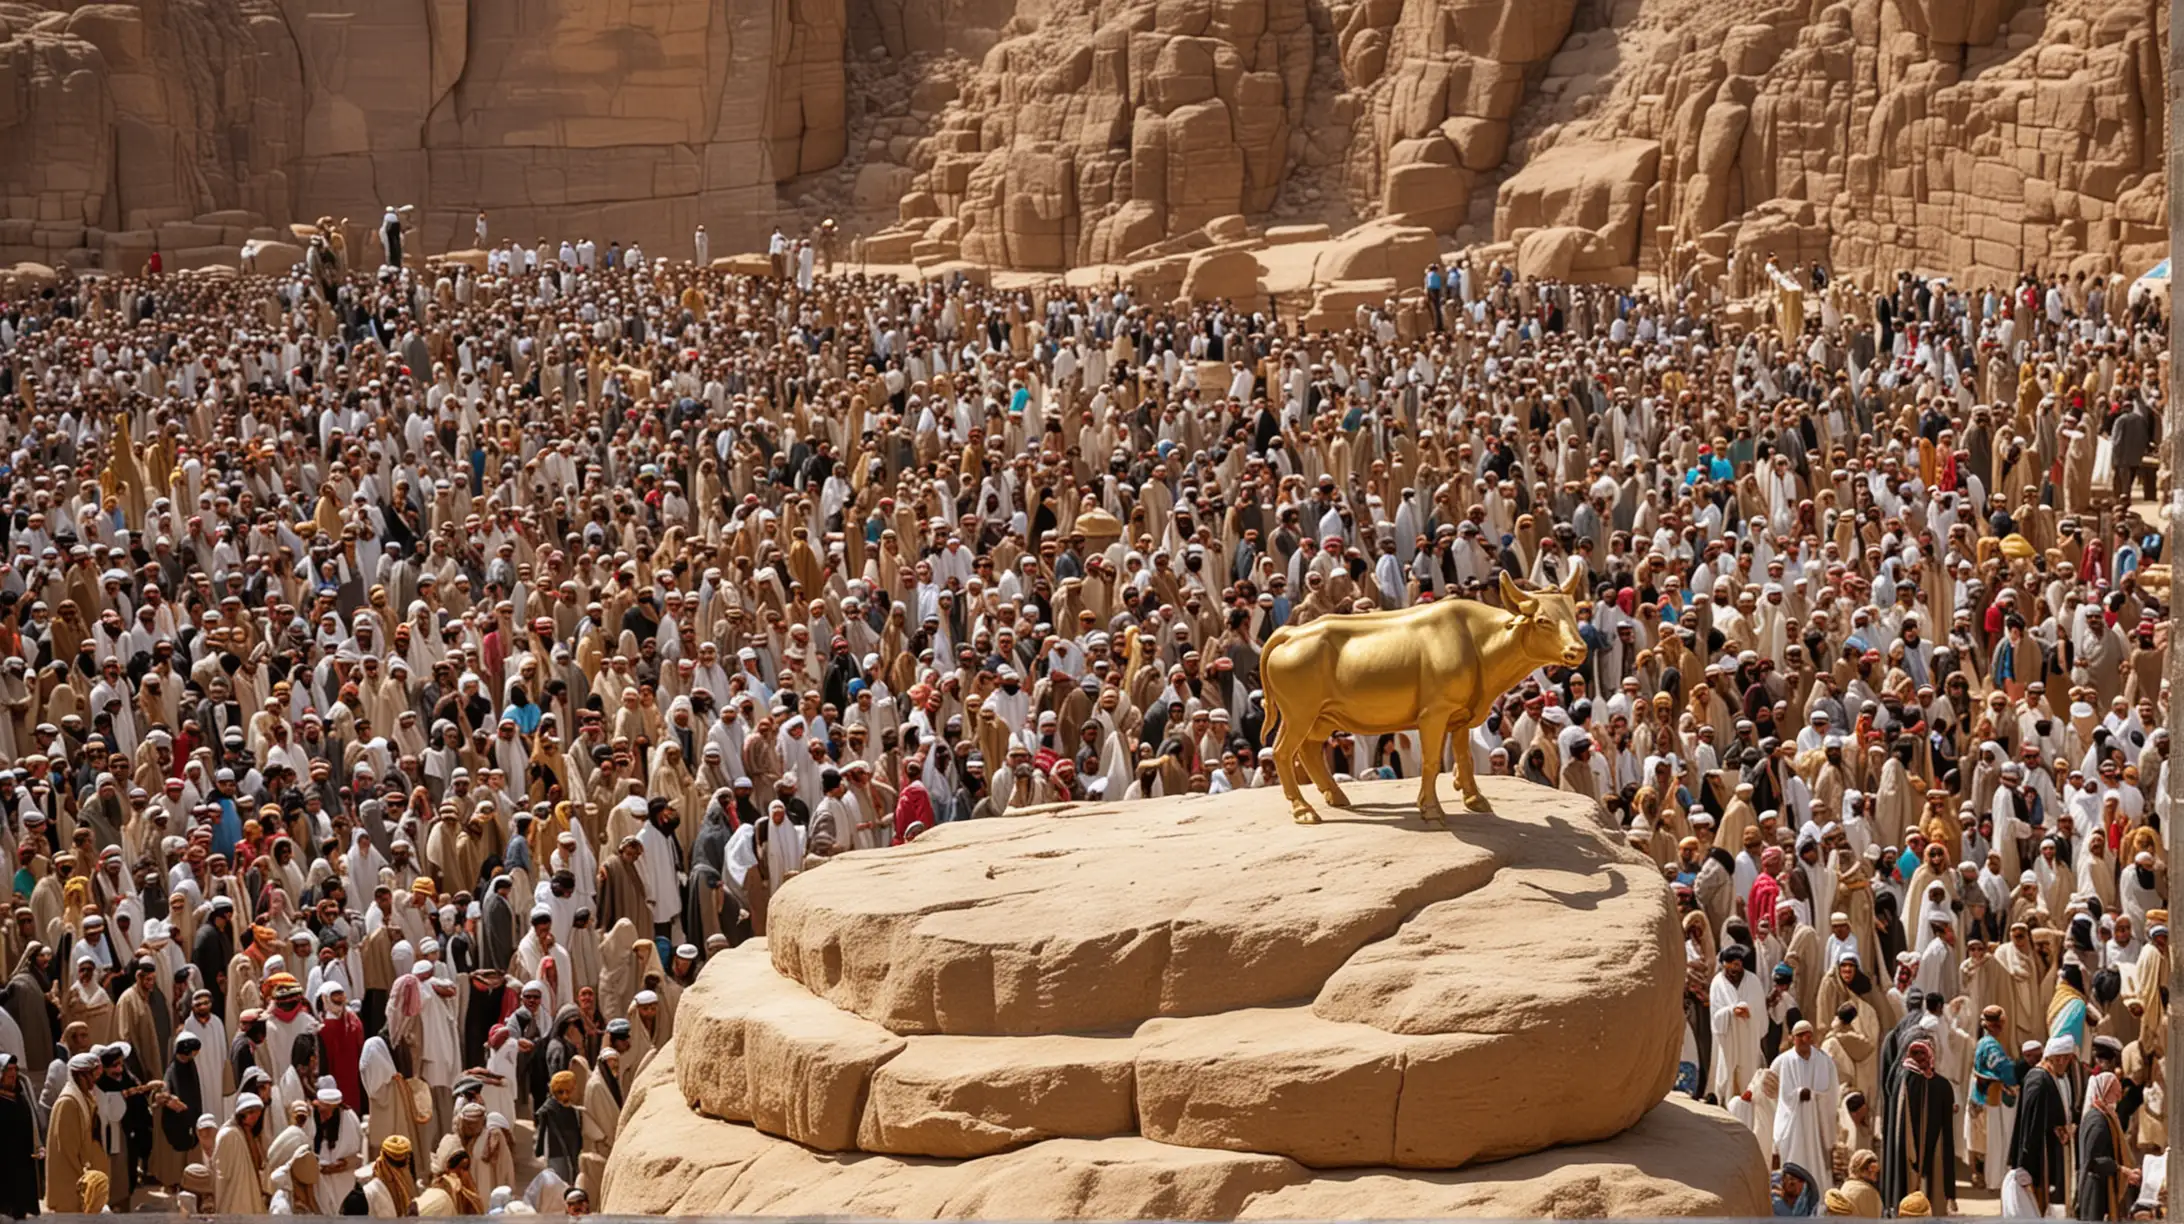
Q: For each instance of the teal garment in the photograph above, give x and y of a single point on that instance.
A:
(2070, 1022)
(1990, 1062)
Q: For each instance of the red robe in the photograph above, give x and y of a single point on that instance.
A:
(341, 1044)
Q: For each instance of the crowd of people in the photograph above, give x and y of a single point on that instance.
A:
(410, 676)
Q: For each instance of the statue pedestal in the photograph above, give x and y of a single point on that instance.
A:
(1193, 1008)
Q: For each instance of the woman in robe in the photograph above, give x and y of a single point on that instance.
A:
(564, 1041)
(708, 909)
(2104, 1175)
(620, 961)
(389, 1094)
(29, 999)
(84, 1001)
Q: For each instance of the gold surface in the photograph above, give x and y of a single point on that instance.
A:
(1437, 667)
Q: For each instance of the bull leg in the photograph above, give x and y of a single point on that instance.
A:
(1432, 740)
(1315, 763)
(1467, 782)
(1289, 742)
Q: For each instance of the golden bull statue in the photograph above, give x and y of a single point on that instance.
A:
(1437, 667)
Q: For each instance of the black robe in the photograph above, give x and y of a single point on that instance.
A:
(21, 1174)
(708, 908)
(564, 1045)
(1918, 1142)
(560, 1138)
(2035, 1146)
(497, 933)
(483, 1012)
(180, 1126)
(25, 999)
(2100, 1171)
(1899, 1039)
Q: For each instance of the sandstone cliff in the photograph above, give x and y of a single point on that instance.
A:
(1963, 136)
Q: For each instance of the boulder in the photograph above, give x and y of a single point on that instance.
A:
(1016, 928)
(1213, 275)
(1431, 194)
(270, 257)
(748, 264)
(1682, 1159)
(1596, 185)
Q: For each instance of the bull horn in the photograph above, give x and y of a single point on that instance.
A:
(1515, 598)
(1574, 584)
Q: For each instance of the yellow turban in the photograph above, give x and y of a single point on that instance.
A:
(1837, 1204)
(562, 1081)
(423, 887)
(92, 1188)
(1914, 1205)
(395, 1147)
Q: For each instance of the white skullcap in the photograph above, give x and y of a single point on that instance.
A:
(2061, 1044)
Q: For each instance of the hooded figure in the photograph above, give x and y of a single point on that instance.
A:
(241, 1185)
(18, 1143)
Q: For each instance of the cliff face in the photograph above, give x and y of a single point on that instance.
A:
(1966, 136)
(630, 119)
(1973, 137)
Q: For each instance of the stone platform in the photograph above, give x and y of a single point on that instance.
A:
(1194, 1008)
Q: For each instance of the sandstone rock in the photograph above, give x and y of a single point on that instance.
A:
(743, 265)
(913, 940)
(1426, 193)
(1682, 1159)
(271, 258)
(1378, 250)
(28, 277)
(881, 186)
(1231, 228)
(1599, 186)
(1969, 136)
(1556, 251)
(1213, 275)
(972, 1096)
(1283, 235)
(760, 1048)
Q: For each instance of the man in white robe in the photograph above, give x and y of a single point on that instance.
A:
(211, 1062)
(1805, 1100)
(536, 953)
(1939, 968)
(1739, 1006)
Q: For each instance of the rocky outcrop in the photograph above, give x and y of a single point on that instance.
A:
(1049, 996)
(1973, 137)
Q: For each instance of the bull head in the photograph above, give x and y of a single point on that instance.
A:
(1547, 621)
